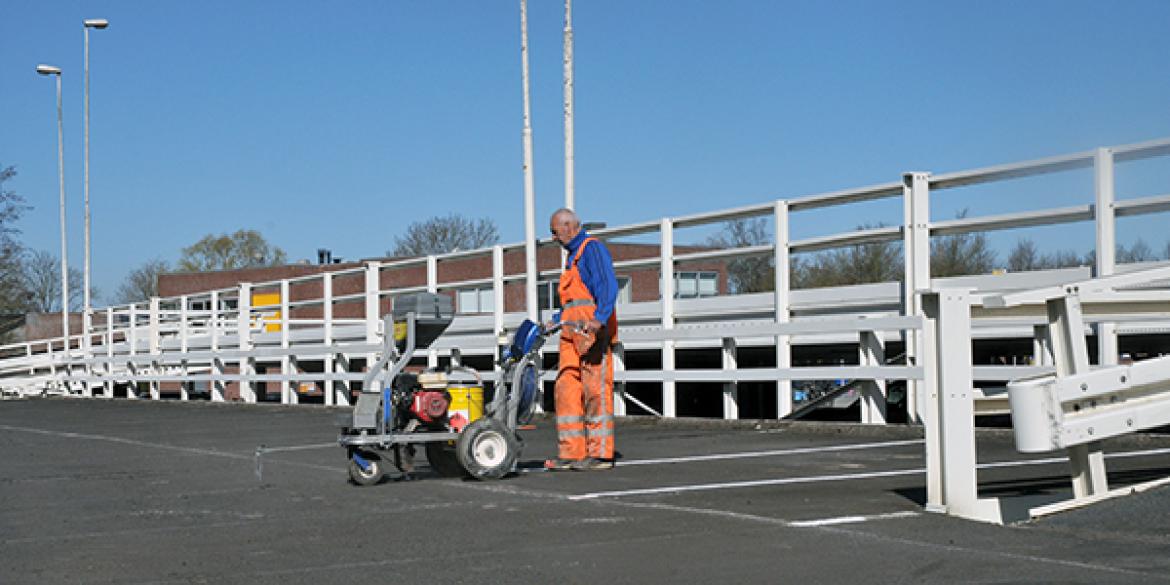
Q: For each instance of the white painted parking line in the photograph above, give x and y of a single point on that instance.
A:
(849, 519)
(744, 484)
(827, 478)
(772, 453)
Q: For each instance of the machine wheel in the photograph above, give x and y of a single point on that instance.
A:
(368, 476)
(441, 455)
(487, 450)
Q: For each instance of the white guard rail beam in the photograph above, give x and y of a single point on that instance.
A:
(1073, 408)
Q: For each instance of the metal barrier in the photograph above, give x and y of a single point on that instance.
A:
(219, 337)
(1070, 407)
(138, 343)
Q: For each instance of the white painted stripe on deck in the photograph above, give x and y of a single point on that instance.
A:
(827, 478)
(745, 484)
(772, 453)
(849, 519)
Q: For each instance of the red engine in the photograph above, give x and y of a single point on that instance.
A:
(430, 405)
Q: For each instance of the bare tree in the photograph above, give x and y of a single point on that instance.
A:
(1140, 251)
(42, 283)
(243, 249)
(960, 254)
(856, 264)
(1024, 256)
(13, 295)
(746, 275)
(141, 283)
(1027, 256)
(439, 235)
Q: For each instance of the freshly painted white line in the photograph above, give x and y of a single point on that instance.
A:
(1051, 460)
(773, 453)
(745, 484)
(849, 519)
(885, 539)
(826, 478)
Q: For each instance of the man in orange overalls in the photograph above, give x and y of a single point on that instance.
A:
(584, 391)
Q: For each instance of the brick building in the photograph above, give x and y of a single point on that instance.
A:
(636, 284)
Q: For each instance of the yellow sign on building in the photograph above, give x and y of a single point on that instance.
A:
(270, 317)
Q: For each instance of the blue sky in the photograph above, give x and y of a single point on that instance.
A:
(336, 124)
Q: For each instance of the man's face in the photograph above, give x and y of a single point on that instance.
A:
(562, 229)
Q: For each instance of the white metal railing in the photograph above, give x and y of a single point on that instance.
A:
(1068, 406)
(149, 333)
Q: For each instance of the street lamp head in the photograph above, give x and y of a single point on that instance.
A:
(48, 70)
(96, 23)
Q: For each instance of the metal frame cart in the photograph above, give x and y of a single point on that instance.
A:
(397, 411)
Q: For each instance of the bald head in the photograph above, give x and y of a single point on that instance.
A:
(564, 225)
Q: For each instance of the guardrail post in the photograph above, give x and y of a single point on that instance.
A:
(109, 382)
(782, 288)
(155, 348)
(1066, 333)
(184, 332)
(87, 352)
(949, 409)
(131, 366)
(1041, 346)
(872, 352)
(730, 389)
(619, 384)
(1106, 246)
(916, 273)
(333, 395)
(498, 312)
(218, 387)
(667, 279)
(373, 319)
(247, 364)
(52, 360)
(288, 395)
(432, 287)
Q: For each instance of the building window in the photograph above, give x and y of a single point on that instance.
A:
(548, 298)
(477, 300)
(693, 285)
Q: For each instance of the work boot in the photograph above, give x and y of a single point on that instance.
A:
(592, 464)
(559, 464)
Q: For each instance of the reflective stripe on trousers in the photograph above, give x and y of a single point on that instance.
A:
(584, 402)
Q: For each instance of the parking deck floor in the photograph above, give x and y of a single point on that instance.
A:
(98, 491)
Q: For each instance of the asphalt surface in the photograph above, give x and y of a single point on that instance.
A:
(99, 491)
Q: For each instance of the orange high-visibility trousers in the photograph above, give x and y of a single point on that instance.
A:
(584, 391)
(584, 396)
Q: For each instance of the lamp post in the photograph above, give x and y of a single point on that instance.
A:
(87, 309)
(570, 184)
(529, 186)
(56, 71)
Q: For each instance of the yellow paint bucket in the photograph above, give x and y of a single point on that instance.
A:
(466, 400)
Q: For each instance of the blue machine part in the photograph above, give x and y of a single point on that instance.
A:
(387, 407)
(525, 338)
(361, 461)
(528, 393)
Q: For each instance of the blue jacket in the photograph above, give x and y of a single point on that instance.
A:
(596, 267)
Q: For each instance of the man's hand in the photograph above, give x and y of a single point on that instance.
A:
(592, 326)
